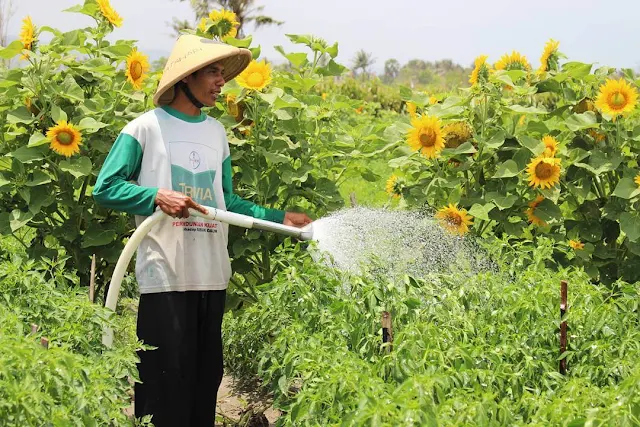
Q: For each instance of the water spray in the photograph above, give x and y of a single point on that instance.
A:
(231, 218)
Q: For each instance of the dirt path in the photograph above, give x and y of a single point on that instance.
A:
(236, 402)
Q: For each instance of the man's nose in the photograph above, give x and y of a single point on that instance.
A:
(221, 80)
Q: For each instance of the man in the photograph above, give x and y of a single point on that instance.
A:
(179, 158)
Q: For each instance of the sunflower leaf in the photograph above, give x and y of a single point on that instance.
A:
(71, 89)
(481, 211)
(58, 114)
(547, 210)
(586, 120)
(507, 169)
(28, 154)
(577, 70)
(496, 140)
(91, 125)
(38, 178)
(534, 145)
(97, 236)
(627, 189)
(77, 166)
(11, 50)
(526, 110)
(37, 139)
(630, 225)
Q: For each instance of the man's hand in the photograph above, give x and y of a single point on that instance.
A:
(296, 219)
(176, 204)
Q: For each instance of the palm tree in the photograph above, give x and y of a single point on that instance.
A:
(391, 70)
(246, 11)
(362, 61)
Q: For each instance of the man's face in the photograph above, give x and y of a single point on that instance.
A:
(207, 83)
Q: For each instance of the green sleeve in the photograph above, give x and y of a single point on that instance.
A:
(238, 205)
(113, 189)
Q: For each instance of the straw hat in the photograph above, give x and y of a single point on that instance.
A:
(192, 53)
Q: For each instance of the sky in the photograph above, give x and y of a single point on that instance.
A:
(595, 31)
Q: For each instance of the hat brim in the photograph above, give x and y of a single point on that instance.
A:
(234, 63)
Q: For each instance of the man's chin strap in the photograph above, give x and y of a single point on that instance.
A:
(183, 86)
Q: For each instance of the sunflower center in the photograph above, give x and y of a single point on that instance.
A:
(136, 70)
(455, 220)
(64, 138)
(255, 79)
(427, 138)
(544, 170)
(617, 99)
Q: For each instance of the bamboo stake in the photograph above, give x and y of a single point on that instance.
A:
(92, 282)
(352, 199)
(34, 328)
(387, 330)
(563, 325)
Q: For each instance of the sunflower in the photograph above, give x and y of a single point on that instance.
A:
(522, 120)
(454, 220)
(202, 26)
(226, 21)
(531, 212)
(597, 136)
(480, 73)
(359, 109)
(64, 138)
(256, 76)
(576, 244)
(324, 96)
(235, 109)
(513, 61)
(616, 97)
(433, 100)
(412, 109)
(137, 67)
(549, 56)
(394, 186)
(426, 136)
(637, 179)
(109, 13)
(27, 34)
(544, 172)
(456, 133)
(551, 146)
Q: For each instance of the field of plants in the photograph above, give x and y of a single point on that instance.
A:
(535, 163)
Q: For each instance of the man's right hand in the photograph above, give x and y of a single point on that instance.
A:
(176, 204)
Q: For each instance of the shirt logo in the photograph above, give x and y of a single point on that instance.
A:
(194, 159)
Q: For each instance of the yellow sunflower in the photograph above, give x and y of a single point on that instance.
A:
(27, 33)
(202, 26)
(616, 97)
(551, 146)
(64, 138)
(433, 100)
(531, 212)
(256, 76)
(394, 186)
(576, 244)
(109, 13)
(637, 179)
(324, 96)
(137, 67)
(454, 220)
(549, 56)
(480, 71)
(513, 61)
(412, 109)
(597, 136)
(235, 109)
(227, 21)
(544, 172)
(359, 109)
(456, 133)
(426, 136)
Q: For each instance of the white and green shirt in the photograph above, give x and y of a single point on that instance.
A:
(165, 148)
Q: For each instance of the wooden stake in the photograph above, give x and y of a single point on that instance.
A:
(352, 199)
(44, 342)
(563, 325)
(92, 282)
(34, 328)
(387, 330)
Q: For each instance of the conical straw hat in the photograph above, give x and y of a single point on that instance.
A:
(192, 53)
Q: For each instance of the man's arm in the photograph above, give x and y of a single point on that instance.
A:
(113, 189)
(238, 205)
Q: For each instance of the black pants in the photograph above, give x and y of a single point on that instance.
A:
(180, 379)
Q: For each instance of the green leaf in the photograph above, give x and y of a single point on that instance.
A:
(577, 70)
(77, 166)
(630, 225)
(118, 50)
(502, 202)
(37, 139)
(245, 42)
(57, 114)
(297, 59)
(97, 236)
(547, 211)
(331, 69)
(11, 50)
(28, 154)
(481, 211)
(11, 222)
(466, 148)
(520, 109)
(586, 120)
(507, 169)
(91, 125)
(20, 115)
(369, 175)
(496, 140)
(536, 146)
(38, 178)
(287, 101)
(3, 181)
(626, 189)
(71, 89)
(87, 8)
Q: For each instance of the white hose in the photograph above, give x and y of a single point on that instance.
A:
(239, 220)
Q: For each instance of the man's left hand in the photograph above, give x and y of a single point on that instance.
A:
(296, 219)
